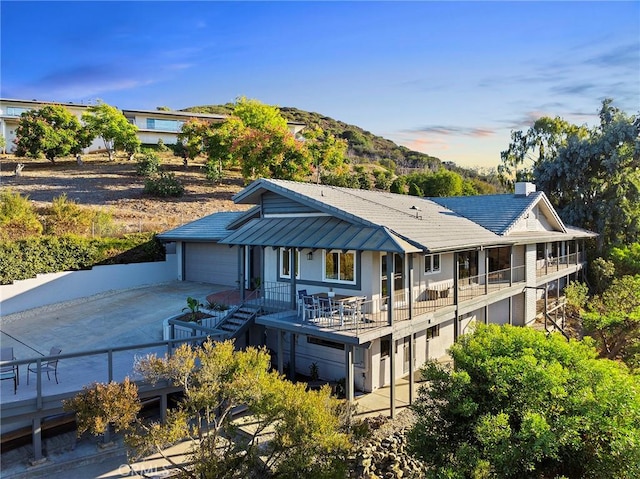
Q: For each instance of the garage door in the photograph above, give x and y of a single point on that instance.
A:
(211, 263)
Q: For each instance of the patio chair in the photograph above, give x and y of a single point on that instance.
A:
(49, 365)
(9, 372)
(352, 310)
(326, 308)
(301, 294)
(310, 308)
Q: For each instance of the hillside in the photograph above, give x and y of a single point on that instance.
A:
(364, 146)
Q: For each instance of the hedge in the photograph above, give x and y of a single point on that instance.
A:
(26, 258)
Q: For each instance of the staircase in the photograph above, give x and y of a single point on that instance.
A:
(238, 320)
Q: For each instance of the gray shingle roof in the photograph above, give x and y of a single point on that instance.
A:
(497, 213)
(431, 227)
(210, 228)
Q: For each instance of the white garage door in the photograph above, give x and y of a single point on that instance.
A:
(211, 263)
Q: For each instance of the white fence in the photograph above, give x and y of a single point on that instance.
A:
(53, 288)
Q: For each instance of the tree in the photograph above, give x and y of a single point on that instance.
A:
(112, 126)
(327, 151)
(255, 114)
(540, 143)
(520, 404)
(304, 427)
(613, 319)
(592, 176)
(51, 130)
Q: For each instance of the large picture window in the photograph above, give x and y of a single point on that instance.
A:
(340, 266)
(285, 263)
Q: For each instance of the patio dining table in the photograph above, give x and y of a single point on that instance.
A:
(347, 306)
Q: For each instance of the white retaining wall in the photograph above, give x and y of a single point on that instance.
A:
(53, 288)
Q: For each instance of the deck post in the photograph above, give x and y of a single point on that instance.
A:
(348, 359)
(163, 408)
(241, 268)
(280, 351)
(392, 391)
(412, 353)
(292, 356)
(36, 439)
(456, 275)
(410, 285)
(390, 273)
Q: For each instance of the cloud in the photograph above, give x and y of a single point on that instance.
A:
(453, 130)
(625, 56)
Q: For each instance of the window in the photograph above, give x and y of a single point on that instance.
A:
(499, 258)
(340, 267)
(324, 342)
(167, 125)
(16, 111)
(433, 332)
(385, 348)
(431, 263)
(285, 263)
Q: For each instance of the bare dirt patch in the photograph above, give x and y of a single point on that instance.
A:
(115, 187)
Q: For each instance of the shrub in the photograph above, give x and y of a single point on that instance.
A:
(26, 258)
(65, 216)
(161, 146)
(18, 218)
(164, 185)
(148, 164)
(213, 171)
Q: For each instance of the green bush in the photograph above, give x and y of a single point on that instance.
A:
(65, 217)
(164, 185)
(26, 258)
(212, 171)
(18, 218)
(148, 164)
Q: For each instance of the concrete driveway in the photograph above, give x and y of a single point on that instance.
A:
(114, 318)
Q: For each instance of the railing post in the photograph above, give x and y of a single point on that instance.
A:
(38, 383)
(36, 439)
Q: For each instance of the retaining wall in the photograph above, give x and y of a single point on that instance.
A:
(53, 288)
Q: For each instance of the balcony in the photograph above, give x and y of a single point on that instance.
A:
(551, 265)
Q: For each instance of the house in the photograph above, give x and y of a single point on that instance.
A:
(153, 125)
(406, 275)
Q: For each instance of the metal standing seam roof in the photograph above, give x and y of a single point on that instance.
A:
(430, 227)
(210, 228)
(321, 232)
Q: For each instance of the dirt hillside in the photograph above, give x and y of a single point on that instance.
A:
(115, 187)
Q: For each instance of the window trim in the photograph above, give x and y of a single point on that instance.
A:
(281, 263)
(338, 280)
(429, 261)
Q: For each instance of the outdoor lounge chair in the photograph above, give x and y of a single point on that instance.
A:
(9, 372)
(310, 308)
(301, 294)
(49, 365)
(326, 308)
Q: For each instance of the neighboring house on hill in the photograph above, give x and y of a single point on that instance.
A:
(153, 125)
(407, 275)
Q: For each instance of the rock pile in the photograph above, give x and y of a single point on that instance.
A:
(384, 456)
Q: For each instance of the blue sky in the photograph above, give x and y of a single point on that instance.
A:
(451, 79)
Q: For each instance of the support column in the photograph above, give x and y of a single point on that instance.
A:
(392, 390)
(456, 275)
(293, 260)
(410, 285)
(511, 310)
(390, 273)
(486, 272)
(36, 440)
(412, 354)
(349, 376)
(292, 356)
(241, 266)
(280, 351)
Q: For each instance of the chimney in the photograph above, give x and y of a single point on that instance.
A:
(524, 188)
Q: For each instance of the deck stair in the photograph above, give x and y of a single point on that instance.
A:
(238, 320)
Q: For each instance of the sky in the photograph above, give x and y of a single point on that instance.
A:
(451, 79)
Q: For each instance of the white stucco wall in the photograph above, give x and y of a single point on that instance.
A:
(53, 288)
